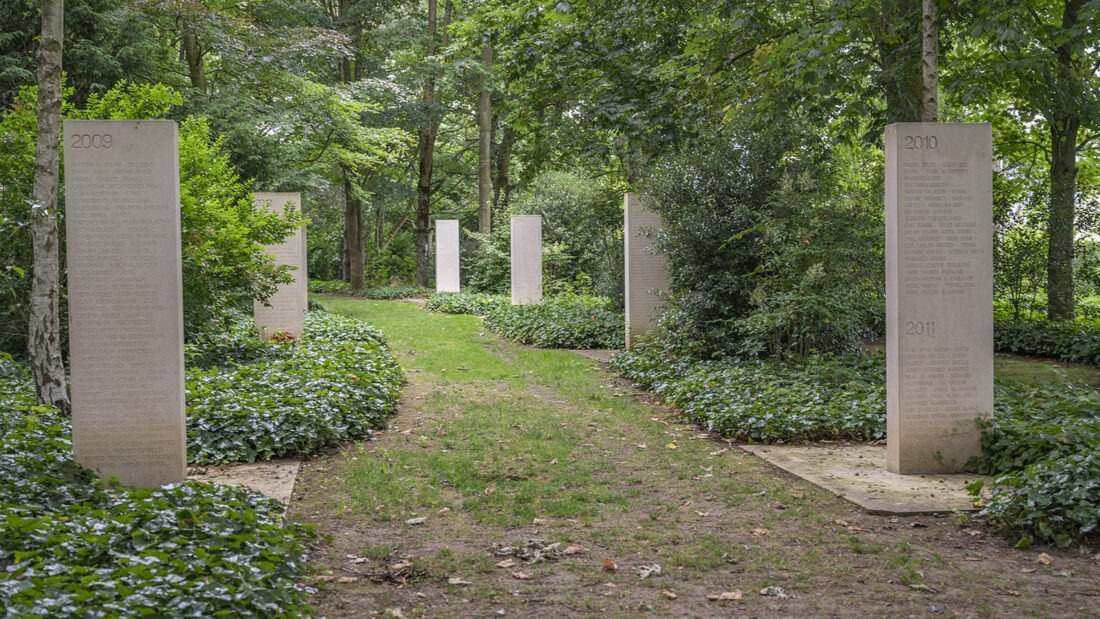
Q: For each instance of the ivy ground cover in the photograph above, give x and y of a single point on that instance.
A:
(73, 545)
(1041, 446)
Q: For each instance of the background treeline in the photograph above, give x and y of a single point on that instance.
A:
(756, 129)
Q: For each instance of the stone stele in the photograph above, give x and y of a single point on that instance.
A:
(446, 255)
(125, 299)
(526, 259)
(646, 272)
(285, 310)
(939, 294)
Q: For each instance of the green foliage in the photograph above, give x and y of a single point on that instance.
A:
(73, 546)
(475, 303)
(764, 254)
(225, 260)
(379, 293)
(288, 398)
(566, 321)
(828, 397)
(1078, 342)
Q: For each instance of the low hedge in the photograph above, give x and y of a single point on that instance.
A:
(474, 303)
(1077, 342)
(290, 398)
(378, 293)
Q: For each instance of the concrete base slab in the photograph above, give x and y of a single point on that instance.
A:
(858, 473)
(274, 479)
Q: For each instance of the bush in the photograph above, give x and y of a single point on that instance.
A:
(72, 545)
(288, 398)
(1078, 342)
(566, 321)
(379, 293)
(475, 303)
(830, 397)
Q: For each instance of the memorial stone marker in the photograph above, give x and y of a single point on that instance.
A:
(526, 253)
(446, 255)
(285, 312)
(645, 272)
(125, 299)
(939, 293)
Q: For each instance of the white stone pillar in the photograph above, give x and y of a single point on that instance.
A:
(526, 259)
(285, 310)
(447, 268)
(645, 272)
(939, 293)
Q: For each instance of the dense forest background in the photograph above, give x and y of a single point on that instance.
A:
(756, 128)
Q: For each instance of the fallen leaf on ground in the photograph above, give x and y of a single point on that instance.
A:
(443, 512)
(609, 565)
(406, 432)
(490, 490)
(1027, 570)
(842, 523)
(924, 588)
(521, 576)
(419, 520)
(702, 514)
(507, 563)
(719, 452)
(538, 521)
(671, 445)
(645, 571)
(403, 565)
(641, 445)
(775, 592)
(356, 560)
(1043, 559)
(574, 550)
(670, 595)
(458, 581)
(760, 532)
(727, 595)
(347, 579)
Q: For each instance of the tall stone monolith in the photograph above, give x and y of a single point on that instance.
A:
(526, 257)
(284, 312)
(125, 299)
(646, 272)
(446, 255)
(939, 293)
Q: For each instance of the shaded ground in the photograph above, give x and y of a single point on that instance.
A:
(499, 452)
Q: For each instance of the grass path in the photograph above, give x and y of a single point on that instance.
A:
(532, 483)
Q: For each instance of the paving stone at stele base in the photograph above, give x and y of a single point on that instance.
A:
(274, 479)
(858, 473)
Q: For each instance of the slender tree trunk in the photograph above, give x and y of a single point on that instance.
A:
(930, 63)
(485, 146)
(425, 151)
(502, 183)
(353, 234)
(1064, 127)
(901, 70)
(192, 53)
(44, 332)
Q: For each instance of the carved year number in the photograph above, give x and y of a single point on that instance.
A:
(920, 327)
(921, 142)
(90, 140)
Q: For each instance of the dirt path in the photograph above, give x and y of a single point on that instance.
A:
(551, 488)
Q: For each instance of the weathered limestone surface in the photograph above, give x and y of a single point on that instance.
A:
(646, 272)
(939, 293)
(446, 256)
(285, 312)
(125, 299)
(526, 259)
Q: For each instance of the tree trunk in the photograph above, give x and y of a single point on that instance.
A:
(192, 53)
(1064, 127)
(353, 235)
(900, 63)
(485, 145)
(502, 183)
(44, 332)
(930, 64)
(425, 151)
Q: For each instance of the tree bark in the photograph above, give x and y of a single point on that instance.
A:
(485, 146)
(425, 151)
(502, 182)
(192, 53)
(353, 235)
(930, 65)
(44, 331)
(1064, 127)
(900, 65)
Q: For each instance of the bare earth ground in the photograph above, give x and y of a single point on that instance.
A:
(772, 545)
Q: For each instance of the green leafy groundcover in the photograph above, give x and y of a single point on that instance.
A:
(1042, 446)
(562, 321)
(74, 546)
(380, 293)
(289, 398)
(1077, 342)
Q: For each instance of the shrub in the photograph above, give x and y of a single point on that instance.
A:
(289, 398)
(475, 303)
(566, 321)
(1078, 342)
(380, 293)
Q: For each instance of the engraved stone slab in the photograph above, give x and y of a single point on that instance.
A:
(646, 272)
(526, 259)
(446, 255)
(125, 299)
(939, 293)
(285, 312)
